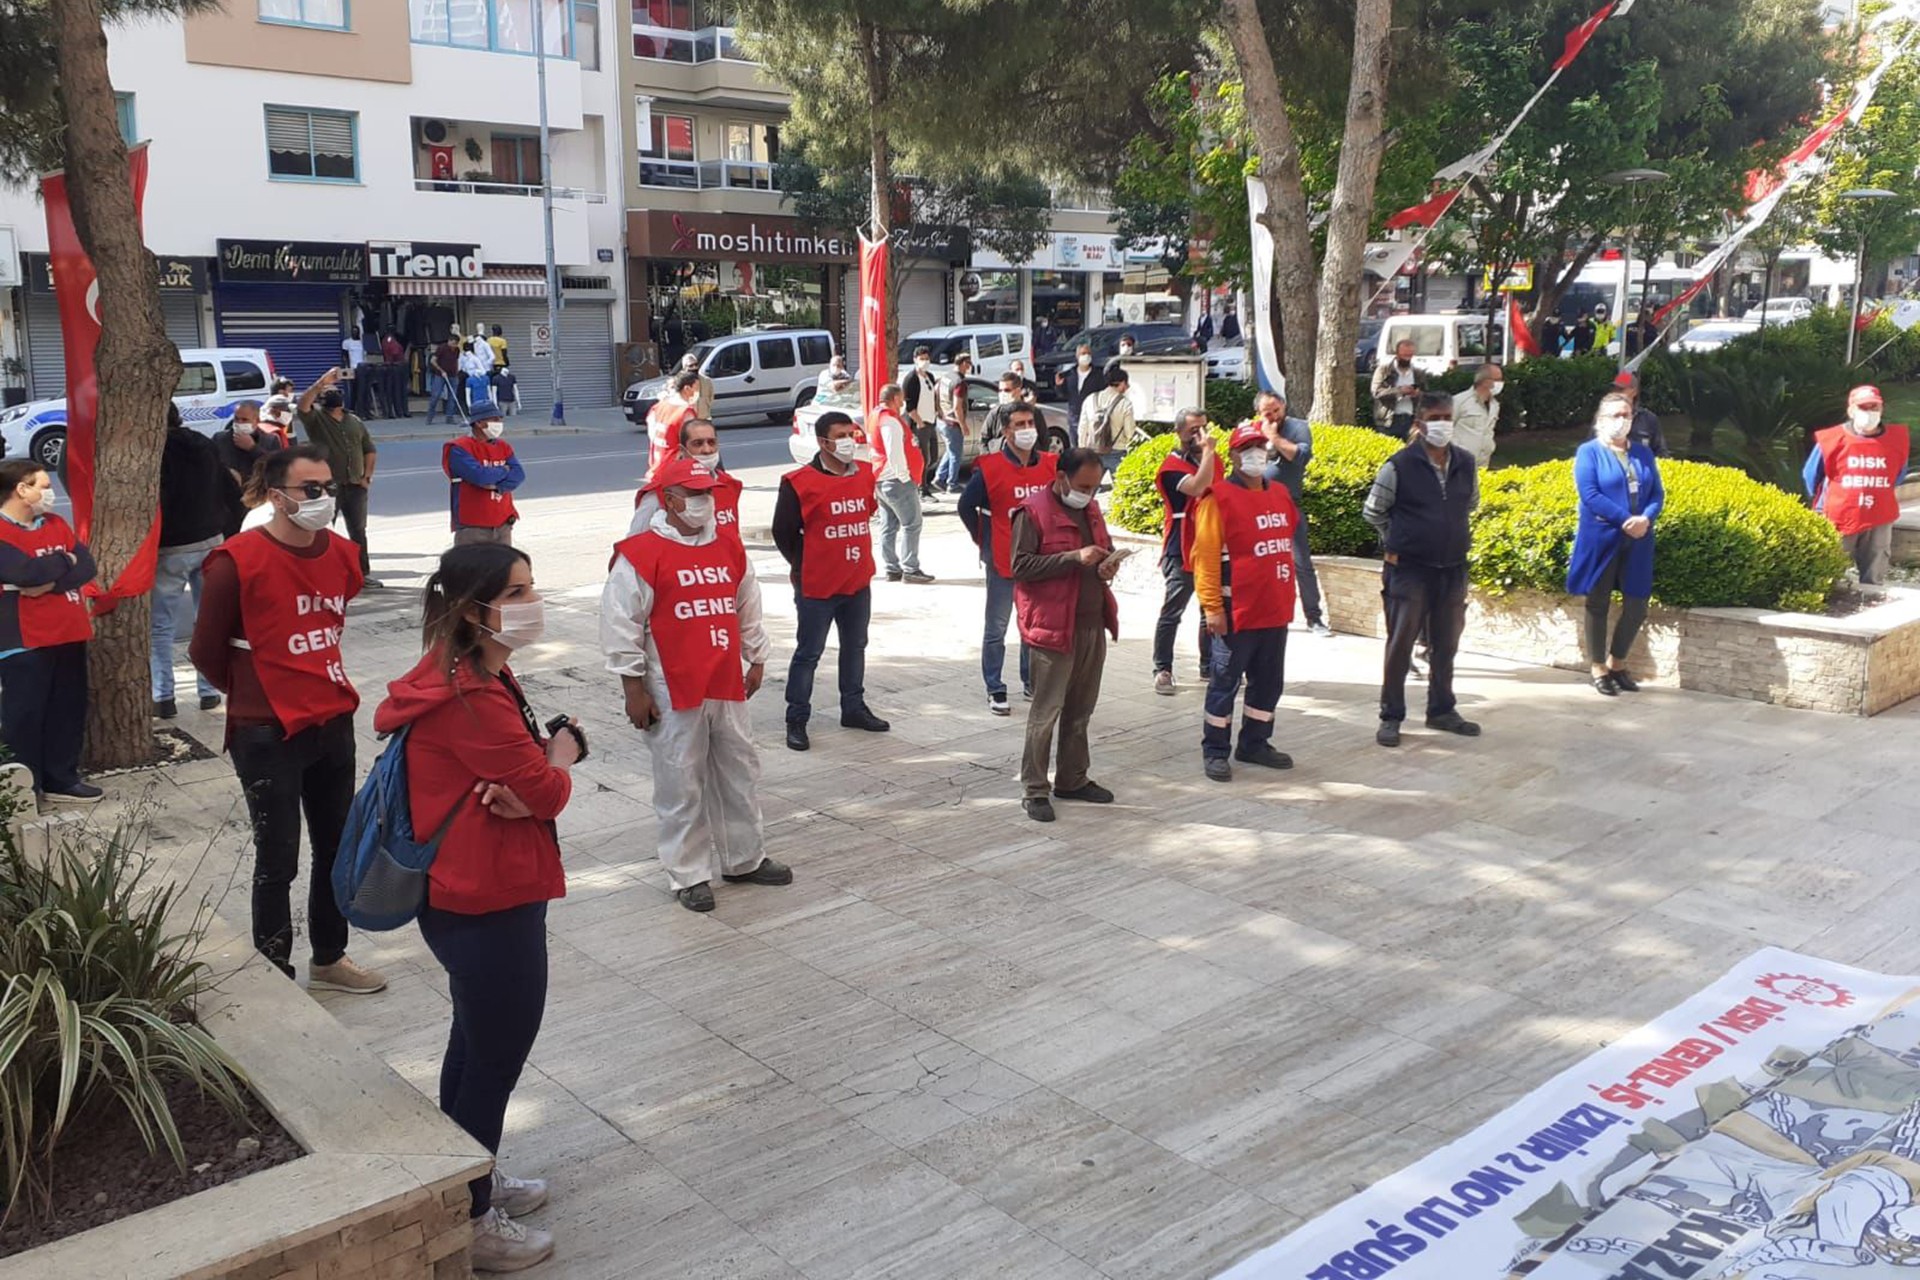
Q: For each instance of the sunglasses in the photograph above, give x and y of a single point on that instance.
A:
(312, 489)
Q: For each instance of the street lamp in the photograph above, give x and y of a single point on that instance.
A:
(1629, 178)
(1859, 262)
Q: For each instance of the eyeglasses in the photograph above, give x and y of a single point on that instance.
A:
(312, 489)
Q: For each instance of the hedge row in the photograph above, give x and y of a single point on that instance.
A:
(1724, 539)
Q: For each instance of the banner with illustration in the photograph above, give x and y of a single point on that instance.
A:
(1768, 1128)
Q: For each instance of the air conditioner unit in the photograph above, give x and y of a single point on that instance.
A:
(435, 131)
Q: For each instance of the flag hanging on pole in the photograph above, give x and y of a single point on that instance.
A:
(1266, 366)
(874, 372)
(1524, 340)
(1578, 37)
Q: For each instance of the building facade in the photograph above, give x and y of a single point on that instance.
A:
(322, 166)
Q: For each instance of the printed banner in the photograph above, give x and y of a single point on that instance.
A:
(876, 366)
(1266, 354)
(1768, 1128)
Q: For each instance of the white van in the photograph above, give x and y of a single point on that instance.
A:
(1441, 342)
(212, 381)
(992, 347)
(761, 373)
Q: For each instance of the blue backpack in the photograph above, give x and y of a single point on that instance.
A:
(380, 872)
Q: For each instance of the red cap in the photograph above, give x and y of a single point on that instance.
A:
(1245, 436)
(1624, 379)
(1864, 395)
(681, 473)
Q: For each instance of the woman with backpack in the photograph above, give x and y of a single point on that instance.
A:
(479, 767)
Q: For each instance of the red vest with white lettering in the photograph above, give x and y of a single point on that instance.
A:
(292, 611)
(1177, 466)
(836, 519)
(53, 617)
(664, 421)
(877, 441)
(694, 625)
(1008, 485)
(1862, 471)
(474, 507)
(1258, 530)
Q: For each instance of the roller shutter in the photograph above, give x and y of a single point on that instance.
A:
(46, 360)
(586, 354)
(923, 299)
(299, 325)
(182, 314)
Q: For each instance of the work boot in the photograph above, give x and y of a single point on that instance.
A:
(797, 735)
(696, 897)
(768, 872)
(1089, 792)
(209, 701)
(165, 708)
(344, 975)
(1265, 756)
(1218, 769)
(1039, 808)
(1388, 734)
(863, 719)
(1452, 722)
(517, 1195)
(501, 1244)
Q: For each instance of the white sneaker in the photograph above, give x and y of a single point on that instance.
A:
(501, 1244)
(1163, 683)
(344, 975)
(518, 1196)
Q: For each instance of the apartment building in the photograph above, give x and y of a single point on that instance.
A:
(324, 165)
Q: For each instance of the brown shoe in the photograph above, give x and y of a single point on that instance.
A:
(344, 975)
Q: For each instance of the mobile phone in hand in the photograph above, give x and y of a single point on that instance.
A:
(560, 722)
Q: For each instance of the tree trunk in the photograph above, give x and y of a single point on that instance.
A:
(1547, 297)
(1342, 273)
(1286, 216)
(138, 370)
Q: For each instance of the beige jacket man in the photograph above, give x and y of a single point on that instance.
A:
(1106, 421)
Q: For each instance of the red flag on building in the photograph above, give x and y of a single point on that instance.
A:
(874, 365)
(1524, 339)
(76, 290)
(1578, 37)
(1427, 212)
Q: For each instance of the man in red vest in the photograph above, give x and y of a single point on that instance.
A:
(1001, 481)
(484, 472)
(44, 628)
(1063, 559)
(1243, 572)
(668, 416)
(273, 604)
(1185, 475)
(1853, 475)
(700, 442)
(681, 625)
(823, 526)
(899, 468)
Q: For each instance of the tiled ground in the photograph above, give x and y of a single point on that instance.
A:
(1141, 1042)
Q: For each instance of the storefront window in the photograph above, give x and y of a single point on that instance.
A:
(992, 297)
(1141, 295)
(1059, 308)
(692, 302)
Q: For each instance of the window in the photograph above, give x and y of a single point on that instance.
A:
(197, 380)
(731, 361)
(586, 33)
(776, 353)
(331, 14)
(816, 349)
(314, 146)
(1427, 339)
(243, 375)
(672, 138)
(516, 160)
(504, 26)
(989, 345)
(123, 107)
(670, 144)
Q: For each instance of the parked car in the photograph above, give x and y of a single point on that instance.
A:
(763, 373)
(992, 347)
(982, 396)
(1229, 360)
(1711, 335)
(1365, 345)
(1152, 339)
(1440, 342)
(1780, 311)
(212, 381)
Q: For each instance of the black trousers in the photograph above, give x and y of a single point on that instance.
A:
(1260, 657)
(927, 436)
(1422, 598)
(353, 509)
(43, 711)
(1173, 608)
(496, 967)
(311, 772)
(396, 375)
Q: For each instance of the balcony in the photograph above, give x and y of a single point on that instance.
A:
(671, 44)
(707, 175)
(507, 189)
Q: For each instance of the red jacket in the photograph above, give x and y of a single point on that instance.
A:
(462, 736)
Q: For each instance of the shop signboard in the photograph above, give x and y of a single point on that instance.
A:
(176, 274)
(290, 262)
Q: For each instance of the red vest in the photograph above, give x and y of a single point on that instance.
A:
(292, 611)
(1176, 465)
(474, 507)
(1257, 553)
(663, 430)
(877, 441)
(836, 519)
(694, 625)
(1861, 474)
(1008, 485)
(1048, 610)
(52, 617)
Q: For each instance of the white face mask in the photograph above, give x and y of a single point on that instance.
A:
(1865, 419)
(244, 430)
(1006, 397)
(1494, 389)
(1078, 499)
(708, 461)
(1614, 427)
(1026, 437)
(1251, 460)
(697, 511)
(1439, 433)
(1126, 348)
(521, 623)
(313, 514)
(1085, 361)
(922, 364)
(494, 430)
(845, 448)
(42, 505)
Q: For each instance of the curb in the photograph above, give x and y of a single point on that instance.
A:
(398, 437)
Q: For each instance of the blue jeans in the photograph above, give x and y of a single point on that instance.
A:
(850, 616)
(993, 645)
(176, 602)
(900, 522)
(947, 474)
(442, 396)
(1260, 656)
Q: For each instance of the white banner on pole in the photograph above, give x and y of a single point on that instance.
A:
(1267, 373)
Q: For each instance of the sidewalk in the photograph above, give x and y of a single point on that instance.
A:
(531, 420)
(1143, 1041)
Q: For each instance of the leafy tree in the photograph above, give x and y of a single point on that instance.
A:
(1882, 151)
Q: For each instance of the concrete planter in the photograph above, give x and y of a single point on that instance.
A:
(381, 1192)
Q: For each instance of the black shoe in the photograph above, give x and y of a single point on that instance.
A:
(698, 897)
(1039, 808)
(1388, 734)
(165, 708)
(78, 793)
(768, 872)
(893, 575)
(1218, 769)
(1089, 791)
(1606, 685)
(797, 736)
(917, 578)
(1624, 682)
(1265, 756)
(863, 719)
(997, 704)
(372, 583)
(209, 701)
(1452, 722)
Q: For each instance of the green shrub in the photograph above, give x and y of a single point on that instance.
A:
(1134, 503)
(1543, 394)
(1345, 461)
(1228, 401)
(1722, 538)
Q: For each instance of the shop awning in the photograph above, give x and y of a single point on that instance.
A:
(499, 282)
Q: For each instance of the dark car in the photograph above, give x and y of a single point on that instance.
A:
(1151, 339)
(1363, 348)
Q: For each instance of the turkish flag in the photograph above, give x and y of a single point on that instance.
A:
(1761, 182)
(1427, 212)
(76, 290)
(874, 368)
(1524, 339)
(1578, 37)
(1686, 295)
